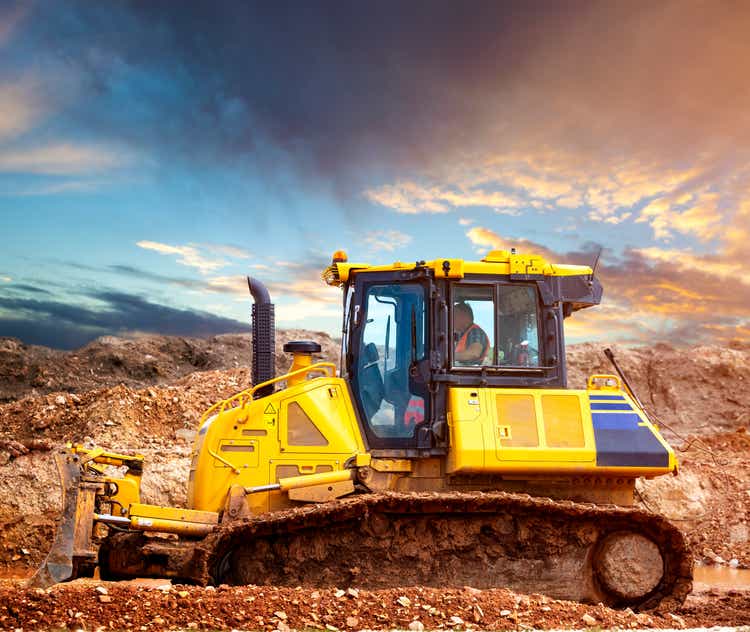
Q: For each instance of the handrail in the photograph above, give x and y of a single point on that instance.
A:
(319, 366)
(224, 461)
(328, 367)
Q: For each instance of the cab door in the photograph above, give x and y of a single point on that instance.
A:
(388, 358)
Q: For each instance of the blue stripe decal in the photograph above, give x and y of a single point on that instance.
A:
(621, 442)
(608, 406)
(616, 421)
(600, 397)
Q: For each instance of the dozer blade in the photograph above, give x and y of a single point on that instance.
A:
(58, 565)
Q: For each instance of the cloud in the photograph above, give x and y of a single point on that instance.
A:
(651, 294)
(575, 105)
(11, 17)
(33, 289)
(6, 279)
(236, 284)
(486, 239)
(465, 221)
(698, 215)
(61, 158)
(411, 198)
(228, 250)
(690, 263)
(146, 275)
(301, 283)
(576, 81)
(310, 288)
(189, 255)
(675, 295)
(300, 311)
(388, 240)
(20, 107)
(407, 198)
(55, 188)
(67, 326)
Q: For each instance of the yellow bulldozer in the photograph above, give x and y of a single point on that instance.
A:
(447, 450)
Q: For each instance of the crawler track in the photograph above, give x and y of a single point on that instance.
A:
(439, 539)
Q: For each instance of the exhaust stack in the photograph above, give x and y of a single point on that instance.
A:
(264, 334)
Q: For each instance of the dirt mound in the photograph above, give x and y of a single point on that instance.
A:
(120, 414)
(710, 499)
(136, 362)
(698, 390)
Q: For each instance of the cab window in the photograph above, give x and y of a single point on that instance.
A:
(473, 325)
(518, 337)
(495, 325)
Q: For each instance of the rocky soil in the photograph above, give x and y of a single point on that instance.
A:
(158, 605)
(147, 395)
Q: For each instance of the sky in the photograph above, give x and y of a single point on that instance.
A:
(154, 153)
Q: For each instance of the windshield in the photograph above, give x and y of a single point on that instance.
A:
(392, 340)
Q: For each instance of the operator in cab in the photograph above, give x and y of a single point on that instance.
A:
(472, 343)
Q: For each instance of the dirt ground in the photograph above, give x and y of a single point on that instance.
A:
(147, 395)
(157, 605)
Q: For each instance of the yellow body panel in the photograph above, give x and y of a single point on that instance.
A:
(546, 431)
(308, 428)
(496, 262)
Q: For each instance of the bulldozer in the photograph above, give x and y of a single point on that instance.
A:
(446, 450)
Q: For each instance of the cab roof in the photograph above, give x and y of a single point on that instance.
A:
(496, 262)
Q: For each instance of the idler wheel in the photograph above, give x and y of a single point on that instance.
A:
(629, 565)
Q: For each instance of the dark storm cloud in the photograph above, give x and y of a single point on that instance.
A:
(342, 86)
(136, 273)
(25, 288)
(68, 326)
(331, 84)
(147, 275)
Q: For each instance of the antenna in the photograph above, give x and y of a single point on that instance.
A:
(596, 261)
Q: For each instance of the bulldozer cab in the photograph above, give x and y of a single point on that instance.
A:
(411, 332)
